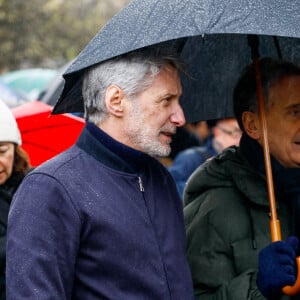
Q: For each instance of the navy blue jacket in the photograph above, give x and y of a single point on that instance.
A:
(99, 221)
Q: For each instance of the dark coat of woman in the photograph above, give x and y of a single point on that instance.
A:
(7, 190)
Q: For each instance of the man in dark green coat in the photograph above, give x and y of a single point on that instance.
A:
(226, 210)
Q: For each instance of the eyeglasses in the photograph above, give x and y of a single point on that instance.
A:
(236, 133)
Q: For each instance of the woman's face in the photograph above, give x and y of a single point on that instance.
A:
(7, 151)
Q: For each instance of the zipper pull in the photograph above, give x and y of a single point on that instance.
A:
(141, 184)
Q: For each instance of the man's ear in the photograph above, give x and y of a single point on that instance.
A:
(251, 124)
(114, 97)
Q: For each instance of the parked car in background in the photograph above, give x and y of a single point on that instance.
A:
(11, 97)
(52, 91)
(30, 82)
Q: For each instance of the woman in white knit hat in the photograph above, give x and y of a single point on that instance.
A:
(14, 165)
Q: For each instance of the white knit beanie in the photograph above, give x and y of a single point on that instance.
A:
(9, 131)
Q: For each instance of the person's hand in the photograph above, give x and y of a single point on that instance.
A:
(277, 267)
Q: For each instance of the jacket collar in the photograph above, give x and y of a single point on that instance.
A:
(110, 152)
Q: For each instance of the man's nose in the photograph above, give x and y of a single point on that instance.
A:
(177, 116)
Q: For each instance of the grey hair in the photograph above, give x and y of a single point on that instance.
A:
(133, 73)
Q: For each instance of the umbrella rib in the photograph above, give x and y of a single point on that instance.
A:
(277, 46)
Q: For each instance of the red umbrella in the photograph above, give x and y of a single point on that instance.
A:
(45, 135)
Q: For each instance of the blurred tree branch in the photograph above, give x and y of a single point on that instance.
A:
(38, 33)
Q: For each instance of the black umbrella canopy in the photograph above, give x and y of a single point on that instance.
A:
(215, 65)
(215, 45)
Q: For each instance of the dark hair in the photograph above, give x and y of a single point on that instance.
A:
(21, 167)
(271, 71)
(21, 161)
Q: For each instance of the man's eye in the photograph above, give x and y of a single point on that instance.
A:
(167, 99)
(295, 112)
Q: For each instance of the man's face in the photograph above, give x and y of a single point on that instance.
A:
(283, 121)
(154, 115)
(226, 133)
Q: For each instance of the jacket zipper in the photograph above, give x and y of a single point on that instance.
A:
(141, 184)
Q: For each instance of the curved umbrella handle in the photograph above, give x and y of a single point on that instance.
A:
(295, 289)
(276, 236)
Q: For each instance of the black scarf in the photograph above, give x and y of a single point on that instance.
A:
(286, 180)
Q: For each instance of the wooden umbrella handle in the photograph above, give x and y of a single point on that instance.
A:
(275, 230)
(295, 289)
(276, 236)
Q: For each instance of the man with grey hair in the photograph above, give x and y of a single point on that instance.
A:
(103, 220)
